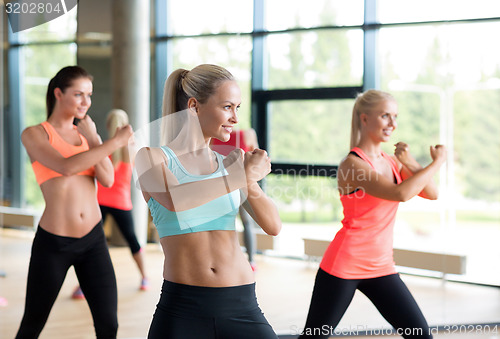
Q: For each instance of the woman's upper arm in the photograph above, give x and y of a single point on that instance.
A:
(37, 145)
(403, 170)
(147, 164)
(355, 173)
(154, 176)
(32, 139)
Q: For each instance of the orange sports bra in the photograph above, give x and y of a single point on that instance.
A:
(43, 173)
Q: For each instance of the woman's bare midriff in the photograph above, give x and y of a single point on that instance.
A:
(71, 207)
(211, 259)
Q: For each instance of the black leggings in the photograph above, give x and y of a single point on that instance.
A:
(125, 223)
(195, 312)
(332, 295)
(51, 257)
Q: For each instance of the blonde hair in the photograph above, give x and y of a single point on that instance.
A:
(364, 104)
(116, 118)
(200, 83)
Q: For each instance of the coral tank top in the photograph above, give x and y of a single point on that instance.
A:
(117, 196)
(362, 248)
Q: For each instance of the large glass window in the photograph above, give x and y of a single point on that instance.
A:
(289, 14)
(59, 29)
(231, 52)
(475, 207)
(447, 83)
(391, 11)
(309, 207)
(326, 58)
(190, 17)
(310, 131)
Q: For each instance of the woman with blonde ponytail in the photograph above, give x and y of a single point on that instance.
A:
(116, 200)
(194, 195)
(371, 185)
(115, 119)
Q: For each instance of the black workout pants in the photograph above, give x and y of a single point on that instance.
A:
(125, 223)
(195, 312)
(51, 257)
(332, 295)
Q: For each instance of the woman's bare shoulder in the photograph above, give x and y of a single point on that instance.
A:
(148, 158)
(33, 132)
(351, 160)
(149, 152)
(352, 168)
(34, 137)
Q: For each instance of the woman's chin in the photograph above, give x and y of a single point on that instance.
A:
(80, 115)
(224, 138)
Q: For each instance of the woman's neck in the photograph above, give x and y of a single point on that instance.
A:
(186, 144)
(190, 138)
(198, 159)
(371, 149)
(59, 120)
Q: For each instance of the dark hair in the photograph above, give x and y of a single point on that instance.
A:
(62, 80)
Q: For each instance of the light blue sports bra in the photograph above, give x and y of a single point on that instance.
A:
(218, 214)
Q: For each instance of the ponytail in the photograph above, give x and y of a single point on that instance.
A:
(174, 97)
(116, 118)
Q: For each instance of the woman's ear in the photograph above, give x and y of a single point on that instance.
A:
(192, 105)
(58, 93)
(363, 118)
